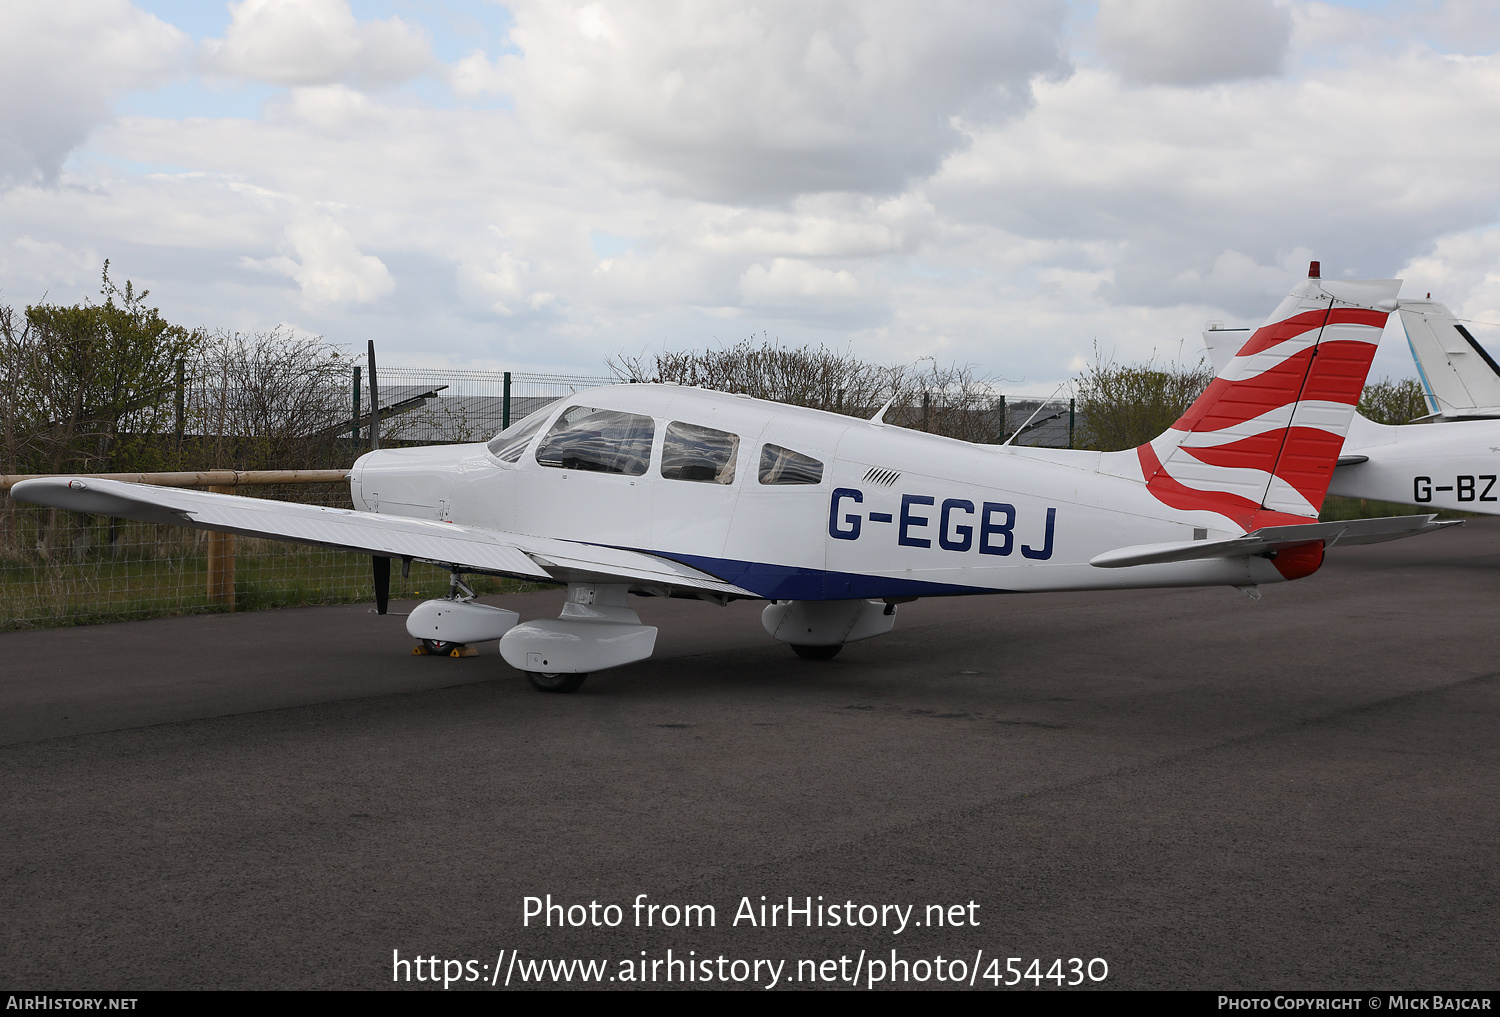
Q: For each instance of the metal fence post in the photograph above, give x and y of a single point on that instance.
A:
(1070, 422)
(354, 427)
(374, 401)
(1002, 420)
(505, 404)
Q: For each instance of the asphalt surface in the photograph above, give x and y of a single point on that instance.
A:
(1202, 791)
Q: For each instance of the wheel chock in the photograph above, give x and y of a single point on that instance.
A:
(419, 651)
(464, 651)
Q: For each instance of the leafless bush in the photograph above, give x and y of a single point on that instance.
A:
(951, 401)
(267, 400)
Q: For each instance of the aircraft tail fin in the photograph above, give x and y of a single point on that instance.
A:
(1459, 379)
(1259, 445)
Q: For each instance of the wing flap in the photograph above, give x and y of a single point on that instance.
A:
(1273, 538)
(640, 567)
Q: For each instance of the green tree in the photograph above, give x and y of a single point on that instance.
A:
(1393, 402)
(1121, 407)
(89, 385)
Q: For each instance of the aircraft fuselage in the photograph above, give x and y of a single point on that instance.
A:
(893, 512)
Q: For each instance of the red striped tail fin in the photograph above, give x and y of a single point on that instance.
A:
(1260, 444)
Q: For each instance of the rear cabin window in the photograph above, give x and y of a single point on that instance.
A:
(694, 452)
(598, 441)
(510, 444)
(783, 466)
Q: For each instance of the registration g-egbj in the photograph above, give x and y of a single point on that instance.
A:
(661, 490)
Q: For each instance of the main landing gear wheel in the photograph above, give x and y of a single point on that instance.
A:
(817, 652)
(441, 647)
(555, 682)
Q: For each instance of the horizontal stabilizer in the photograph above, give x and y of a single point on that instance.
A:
(469, 548)
(1273, 538)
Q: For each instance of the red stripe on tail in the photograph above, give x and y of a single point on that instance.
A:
(1339, 379)
(1170, 492)
(1271, 335)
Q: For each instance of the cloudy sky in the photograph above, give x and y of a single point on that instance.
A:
(539, 185)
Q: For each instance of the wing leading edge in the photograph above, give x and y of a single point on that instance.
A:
(446, 544)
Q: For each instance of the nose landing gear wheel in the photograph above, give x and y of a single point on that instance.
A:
(817, 652)
(555, 682)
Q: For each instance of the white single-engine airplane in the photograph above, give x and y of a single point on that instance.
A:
(669, 491)
(1447, 459)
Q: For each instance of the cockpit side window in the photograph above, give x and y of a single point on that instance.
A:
(598, 441)
(510, 444)
(694, 452)
(783, 466)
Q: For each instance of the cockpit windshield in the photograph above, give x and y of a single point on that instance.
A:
(510, 444)
(598, 441)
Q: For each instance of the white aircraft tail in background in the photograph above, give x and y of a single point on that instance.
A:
(1459, 379)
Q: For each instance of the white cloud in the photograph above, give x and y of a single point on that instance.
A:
(1458, 26)
(1358, 165)
(767, 101)
(476, 76)
(1102, 210)
(500, 283)
(330, 108)
(787, 281)
(65, 62)
(315, 42)
(328, 266)
(1193, 42)
(1463, 271)
(46, 263)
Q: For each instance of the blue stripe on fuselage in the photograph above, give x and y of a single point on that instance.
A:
(789, 582)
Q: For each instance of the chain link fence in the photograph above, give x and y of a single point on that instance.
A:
(429, 406)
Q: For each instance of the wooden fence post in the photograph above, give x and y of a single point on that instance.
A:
(221, 562)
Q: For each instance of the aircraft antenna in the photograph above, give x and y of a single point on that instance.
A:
(1039, 407)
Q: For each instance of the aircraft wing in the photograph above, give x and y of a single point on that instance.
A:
(1272, 538)
(448, 544)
